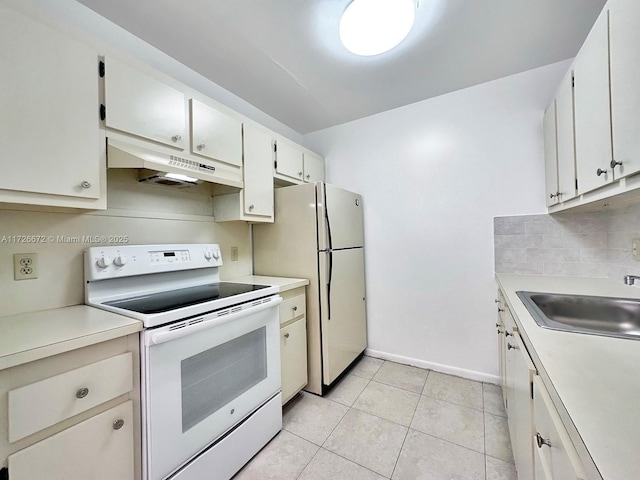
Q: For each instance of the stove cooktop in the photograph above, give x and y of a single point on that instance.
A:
(183, 297)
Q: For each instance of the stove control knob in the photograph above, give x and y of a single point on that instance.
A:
(208, 254)
(216, 254)
(103, 262)
(120, 261)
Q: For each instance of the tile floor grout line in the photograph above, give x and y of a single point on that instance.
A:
(308, 463)
(353, 461)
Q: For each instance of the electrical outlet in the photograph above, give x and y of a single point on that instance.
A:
(234, 254)
(25, 266)
(635, 248)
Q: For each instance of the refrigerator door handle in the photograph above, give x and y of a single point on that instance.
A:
(326, 218)
(329, 285)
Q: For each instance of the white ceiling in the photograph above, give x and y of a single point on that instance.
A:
(285, 56)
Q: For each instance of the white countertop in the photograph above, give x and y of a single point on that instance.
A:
(283, 283)
(593, 380)
(31, 336)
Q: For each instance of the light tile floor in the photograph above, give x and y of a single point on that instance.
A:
(386, 420)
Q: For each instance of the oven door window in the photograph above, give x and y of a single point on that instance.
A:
(213, 378)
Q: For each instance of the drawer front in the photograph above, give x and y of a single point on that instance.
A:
(291, 308)
(557, 455)
(100, 448)
(41, 404)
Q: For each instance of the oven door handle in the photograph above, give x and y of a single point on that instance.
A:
(167, 336)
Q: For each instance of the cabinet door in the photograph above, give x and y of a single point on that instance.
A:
(550, 154)
(293, 357)
(143, 106)
(215, 135)
(96, 449)
(566, 139)
(625, 77)
(289, 160)
(258, 176)
(592, 109)
(313, 168)
(557, 455)
(49, 125)
(521, 413)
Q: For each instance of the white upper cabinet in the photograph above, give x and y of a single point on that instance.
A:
(313, 167)
(593, 109)
(550, 154)
(566, 140)
(258, 168)
(215, 135)
(50, 141)
(139, 104)
(289, 160)
(624, 21)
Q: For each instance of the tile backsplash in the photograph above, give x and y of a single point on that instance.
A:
(589, 244)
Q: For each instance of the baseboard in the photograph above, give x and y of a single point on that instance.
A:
(437, 367)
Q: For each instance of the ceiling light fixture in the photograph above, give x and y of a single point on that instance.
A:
(372, 27)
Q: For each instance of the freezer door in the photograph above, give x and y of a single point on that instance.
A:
(340, 218)
(343, 321)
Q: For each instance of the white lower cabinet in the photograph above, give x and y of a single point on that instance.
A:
(293, 342)
(100, 448)
(556, 457)
(73, 416)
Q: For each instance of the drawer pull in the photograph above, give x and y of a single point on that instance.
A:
(509, 346)
(82, 392)
(295, 309)
(286, 335)
(118, 424)
(500, 309)
(542, 441)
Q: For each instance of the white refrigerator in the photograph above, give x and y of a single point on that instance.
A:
(318, 234)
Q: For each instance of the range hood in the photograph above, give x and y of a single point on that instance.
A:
(127, 155)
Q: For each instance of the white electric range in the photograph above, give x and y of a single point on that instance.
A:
(210, 355)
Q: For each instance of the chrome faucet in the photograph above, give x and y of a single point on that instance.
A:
(630, 279)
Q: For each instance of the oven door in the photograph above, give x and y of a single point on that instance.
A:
(203, 378)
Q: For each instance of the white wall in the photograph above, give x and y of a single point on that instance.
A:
(433, 175)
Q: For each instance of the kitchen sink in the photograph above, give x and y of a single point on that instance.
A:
(612, 317)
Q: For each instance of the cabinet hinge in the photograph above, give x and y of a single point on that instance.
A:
(275, 147)
(573, 81)
(101, 69)
(4, 473)
(576, 184)
(275, 164)
(531, 388)
(103, 112)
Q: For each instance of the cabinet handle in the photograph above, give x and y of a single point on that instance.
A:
(553, 195)
(176, 137)
(286, 335)
(201, 146)
(82, 392)
(496, 301)
(118, 424)
(600, 172)
(308, 177)
(614, 163)
(497, 325)
(542, 441)
(508, 334)
(499, 332)
(85, 184)
(251, 207)
(299, 174)
(295, 309)
(509, 346)
(500, 309)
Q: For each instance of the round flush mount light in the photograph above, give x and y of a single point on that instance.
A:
(372, 27)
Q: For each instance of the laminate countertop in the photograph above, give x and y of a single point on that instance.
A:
(31, 336)
(594, 381)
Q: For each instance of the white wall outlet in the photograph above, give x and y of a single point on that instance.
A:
(635, 248)
(234, 254)
(25, 266)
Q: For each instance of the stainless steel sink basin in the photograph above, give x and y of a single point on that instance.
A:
(612, 317)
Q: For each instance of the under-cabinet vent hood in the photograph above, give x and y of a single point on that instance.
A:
(126, 155)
